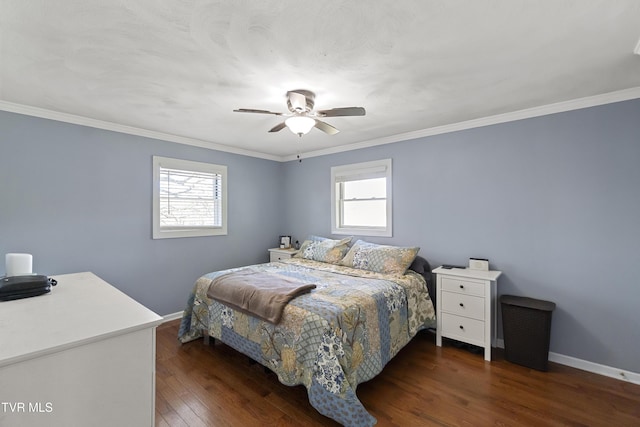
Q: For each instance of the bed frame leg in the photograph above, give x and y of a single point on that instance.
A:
(253, 362)
(208, 340)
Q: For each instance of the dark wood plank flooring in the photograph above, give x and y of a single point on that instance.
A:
(424, 385)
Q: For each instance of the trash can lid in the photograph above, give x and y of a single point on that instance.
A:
(527, 302)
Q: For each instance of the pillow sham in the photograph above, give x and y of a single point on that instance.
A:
(380, 258)
(325, 250)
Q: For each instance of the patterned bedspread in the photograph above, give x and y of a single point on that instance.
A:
(332, 339)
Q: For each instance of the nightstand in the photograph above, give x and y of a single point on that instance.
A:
(277, 254)
(466, 306)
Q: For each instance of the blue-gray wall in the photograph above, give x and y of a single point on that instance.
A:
(553, 202)
(79, 199)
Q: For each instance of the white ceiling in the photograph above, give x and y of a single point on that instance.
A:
(180, 67)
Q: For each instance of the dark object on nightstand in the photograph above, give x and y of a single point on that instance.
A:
(526, 326)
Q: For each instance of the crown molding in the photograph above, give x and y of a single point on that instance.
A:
(559, 107)
(131, 130)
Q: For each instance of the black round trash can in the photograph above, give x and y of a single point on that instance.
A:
(526, 326)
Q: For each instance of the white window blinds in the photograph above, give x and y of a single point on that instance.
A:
(358, 172)
(189, 198)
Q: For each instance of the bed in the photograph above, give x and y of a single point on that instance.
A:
(363, 310)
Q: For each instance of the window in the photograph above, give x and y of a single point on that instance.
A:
(189, 198)
(361, 199)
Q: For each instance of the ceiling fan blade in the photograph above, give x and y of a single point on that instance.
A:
(326, 127)
(250, 110)
(297, 100)
(338, 112)
(278, 127)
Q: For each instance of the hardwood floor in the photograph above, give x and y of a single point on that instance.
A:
(199, 385)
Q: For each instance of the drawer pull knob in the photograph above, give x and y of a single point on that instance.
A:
(461, 305)
(461, 286)
(461, 327)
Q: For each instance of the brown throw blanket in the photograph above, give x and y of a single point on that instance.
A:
(261, 294)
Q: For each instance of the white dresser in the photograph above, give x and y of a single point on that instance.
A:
(466, 306)
(83, 355)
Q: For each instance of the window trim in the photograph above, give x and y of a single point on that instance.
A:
(188, 165)
(364, 170)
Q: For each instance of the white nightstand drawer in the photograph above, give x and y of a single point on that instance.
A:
(463, 305)
(274, 256)
(277, 254)
(463, 329)
(463, 286)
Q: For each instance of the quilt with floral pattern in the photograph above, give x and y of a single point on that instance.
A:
(330, 340)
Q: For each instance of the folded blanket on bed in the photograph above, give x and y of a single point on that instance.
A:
(261, 294)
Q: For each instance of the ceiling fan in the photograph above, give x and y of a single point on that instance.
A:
(302, 118)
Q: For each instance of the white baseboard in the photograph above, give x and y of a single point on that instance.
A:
(584, 365)
(596, 368)
(172, 316)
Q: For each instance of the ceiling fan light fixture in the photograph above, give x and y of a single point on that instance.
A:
(301, 116)
(300, 125)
